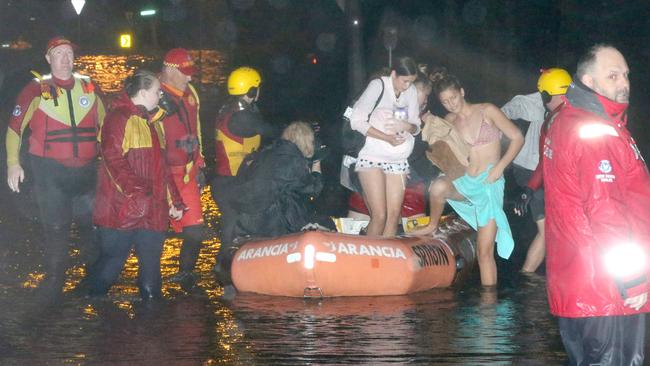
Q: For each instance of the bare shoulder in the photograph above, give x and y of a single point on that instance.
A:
(492, 112)
(489, 108)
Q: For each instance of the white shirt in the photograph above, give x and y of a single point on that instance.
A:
(375, 149)
(530, 108)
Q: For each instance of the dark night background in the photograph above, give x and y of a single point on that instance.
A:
(495, 47)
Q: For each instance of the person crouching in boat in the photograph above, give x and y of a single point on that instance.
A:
(477, 196)
(275, 184)
(134, 181)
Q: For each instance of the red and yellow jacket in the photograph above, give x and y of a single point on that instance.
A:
(134, 185)
(231, 149)
(182, 129)
(64, 117)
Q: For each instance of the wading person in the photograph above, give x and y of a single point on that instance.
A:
(240, 130)
(477, 196)
(63, 112)
(382, 163)
(133, 186)
(182, 128)
(597, 217)
(537, 109)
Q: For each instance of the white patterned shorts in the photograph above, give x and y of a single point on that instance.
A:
(388, 168)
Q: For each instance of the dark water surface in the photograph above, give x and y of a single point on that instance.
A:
(463, 325)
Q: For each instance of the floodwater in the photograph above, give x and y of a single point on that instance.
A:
(463, 325)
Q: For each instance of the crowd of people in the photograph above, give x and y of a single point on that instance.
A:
(137, 165)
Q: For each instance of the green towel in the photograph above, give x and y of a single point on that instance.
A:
(484, 202)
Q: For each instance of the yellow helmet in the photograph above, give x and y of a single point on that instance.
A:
(242, 80)
(554, 81)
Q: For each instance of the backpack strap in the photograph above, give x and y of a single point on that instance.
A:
(381, 95)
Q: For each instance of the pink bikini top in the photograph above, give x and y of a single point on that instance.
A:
(487, 132)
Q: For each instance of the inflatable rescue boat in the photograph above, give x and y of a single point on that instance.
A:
(326, 264)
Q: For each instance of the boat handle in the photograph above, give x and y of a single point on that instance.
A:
(307, 293)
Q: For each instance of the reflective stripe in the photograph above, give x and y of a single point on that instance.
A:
(597, 130)
(294, 257)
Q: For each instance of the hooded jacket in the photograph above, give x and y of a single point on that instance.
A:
(272, 191)
(134, 181)
(597, 192)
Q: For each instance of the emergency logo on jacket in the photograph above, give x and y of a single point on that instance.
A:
(605, 166)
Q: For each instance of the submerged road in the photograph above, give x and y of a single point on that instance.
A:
(462, 325)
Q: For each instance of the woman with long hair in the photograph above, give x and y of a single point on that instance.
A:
(382, 162)
(476, 196)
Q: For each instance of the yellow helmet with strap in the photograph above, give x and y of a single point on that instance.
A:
(242, 80)
(554, 81)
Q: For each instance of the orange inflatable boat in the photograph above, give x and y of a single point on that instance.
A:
(324, 264)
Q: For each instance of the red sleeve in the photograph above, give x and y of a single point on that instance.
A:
(25, 98)
(119, 169)
(536, 181)
(174, 193)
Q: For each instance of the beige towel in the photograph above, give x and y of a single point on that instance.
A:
(447, 149)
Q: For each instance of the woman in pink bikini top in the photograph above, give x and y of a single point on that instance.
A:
(481, 125)
(487, 132)
(477, 196)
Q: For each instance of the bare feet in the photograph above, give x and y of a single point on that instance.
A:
(424, 231)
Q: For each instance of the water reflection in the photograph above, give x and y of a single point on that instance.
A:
(109, 71)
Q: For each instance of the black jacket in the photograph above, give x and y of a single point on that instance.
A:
(272, 191)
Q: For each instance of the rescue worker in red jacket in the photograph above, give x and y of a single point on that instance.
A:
(134, 183)
(63, 111)
(240, 130)
(597, 219)
(182, 127)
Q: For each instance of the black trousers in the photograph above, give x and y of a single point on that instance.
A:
(116, 245)
(192, 238)
(606, 340)
(221, 187)
(63, 193)
(522, 175)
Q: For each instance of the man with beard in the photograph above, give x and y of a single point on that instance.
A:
(598, 223)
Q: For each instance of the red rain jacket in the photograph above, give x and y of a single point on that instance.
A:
(133, 181)
(597, 192)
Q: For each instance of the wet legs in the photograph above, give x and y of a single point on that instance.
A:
(116, 245)
(192, 238)
(486, 262)
(536, 251)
